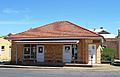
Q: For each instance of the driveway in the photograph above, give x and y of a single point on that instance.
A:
(18, 72)
(103, 70)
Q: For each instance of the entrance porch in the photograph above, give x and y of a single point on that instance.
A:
(72, 52)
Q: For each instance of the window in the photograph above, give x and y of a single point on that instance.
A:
(104, 46)
(93, 47)
(2, 47)
(27, 45)
(67, 49)
(40, 50)
(74, 52)
(26, 50)
(33, 51)
(29, 51)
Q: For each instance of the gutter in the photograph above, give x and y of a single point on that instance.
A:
(22, 38)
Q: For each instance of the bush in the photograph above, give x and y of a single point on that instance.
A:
(108, 55)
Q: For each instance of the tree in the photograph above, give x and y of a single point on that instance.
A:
(108, 55)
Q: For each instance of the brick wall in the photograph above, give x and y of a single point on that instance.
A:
(13, 52)
(54, 52)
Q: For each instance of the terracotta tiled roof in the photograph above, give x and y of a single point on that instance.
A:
(61, 29)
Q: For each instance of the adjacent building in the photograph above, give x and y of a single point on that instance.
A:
(118, 39)
(112, 41)
(59, 42)
(5, 50)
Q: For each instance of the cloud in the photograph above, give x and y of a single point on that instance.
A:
(21, 16)
(28, 17)
(17, 22)
(11, 22)
(23, 13)
(15, 11)
(10, 11)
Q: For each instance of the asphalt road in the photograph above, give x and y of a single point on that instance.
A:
(54, 73)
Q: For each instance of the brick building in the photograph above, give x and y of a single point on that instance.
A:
(59, 42)
(112, 41)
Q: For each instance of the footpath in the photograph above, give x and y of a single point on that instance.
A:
(97, 67)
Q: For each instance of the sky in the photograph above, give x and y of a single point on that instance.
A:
(20, 15)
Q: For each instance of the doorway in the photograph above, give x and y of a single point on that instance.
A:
(67, 54)
(40, 53)
(92, 53)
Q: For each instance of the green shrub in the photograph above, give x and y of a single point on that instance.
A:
(108, 55)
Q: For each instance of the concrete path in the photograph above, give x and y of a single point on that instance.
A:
(97, 67)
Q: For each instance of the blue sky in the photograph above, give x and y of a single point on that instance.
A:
(20, 15)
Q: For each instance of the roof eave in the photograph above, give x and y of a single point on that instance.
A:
(86, 37)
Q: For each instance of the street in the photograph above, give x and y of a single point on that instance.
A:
(16, 72)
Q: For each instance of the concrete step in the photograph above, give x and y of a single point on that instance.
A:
(116, 62)
(77, 65)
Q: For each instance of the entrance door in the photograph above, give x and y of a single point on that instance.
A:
(40, 53)
(67, 54)
(92, 53)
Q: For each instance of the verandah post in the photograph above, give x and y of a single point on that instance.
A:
(16, 54)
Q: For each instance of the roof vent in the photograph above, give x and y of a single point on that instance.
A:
(101, 27)
(94, 29)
